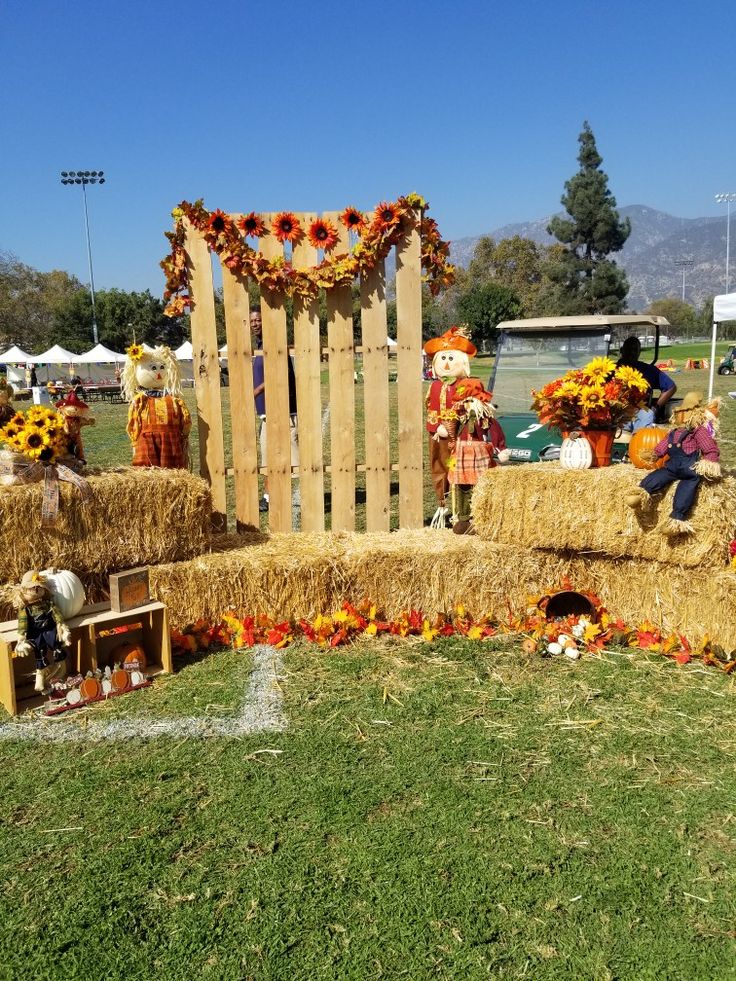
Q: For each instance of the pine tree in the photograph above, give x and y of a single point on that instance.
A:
(585, 279)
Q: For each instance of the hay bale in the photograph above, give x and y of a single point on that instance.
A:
(139, 516)
(541, 505)
(299, 576)
(290, 575)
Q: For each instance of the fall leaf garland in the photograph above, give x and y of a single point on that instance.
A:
(376, 233)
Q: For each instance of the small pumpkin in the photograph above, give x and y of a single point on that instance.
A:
(642, 444)
(67, 591)
(90, 688)
(131, 656)
(576, 453)
(120, 680)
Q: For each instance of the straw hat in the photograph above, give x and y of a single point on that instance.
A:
(455, 339)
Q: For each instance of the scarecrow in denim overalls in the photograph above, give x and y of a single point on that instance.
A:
(690, 453)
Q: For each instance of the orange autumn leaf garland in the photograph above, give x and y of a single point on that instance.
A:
(224, 236)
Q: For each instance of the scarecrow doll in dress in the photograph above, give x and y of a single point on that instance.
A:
(459, 417)
(76, 415)
(41, 630)
(158, 420)
(690, 453)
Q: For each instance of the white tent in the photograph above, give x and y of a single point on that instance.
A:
(15, 355)
(391, 342)
(55, 355)
(185, 352)
(724, 308)
(100, 354)
(16, 359)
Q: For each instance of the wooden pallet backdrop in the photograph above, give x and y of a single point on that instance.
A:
(307, 354)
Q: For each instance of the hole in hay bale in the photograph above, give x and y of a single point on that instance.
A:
(567, 603)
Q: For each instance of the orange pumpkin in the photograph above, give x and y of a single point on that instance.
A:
(131, 656)
(642, 444)
(120, 680)
(90, 688)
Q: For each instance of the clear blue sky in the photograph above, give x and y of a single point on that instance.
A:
(320, 104)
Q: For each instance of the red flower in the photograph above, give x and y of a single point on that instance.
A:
(252, 225)
(286, 227)
(732, 548)
(322, 234)
(218, 220)
(353, 220)
(386, 216)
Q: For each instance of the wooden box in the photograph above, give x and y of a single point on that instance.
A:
(88, 649)
(129, 590)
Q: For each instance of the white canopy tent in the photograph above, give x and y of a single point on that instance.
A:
(55, 355)
(100, 354)
(185, 352)
(16, 360)
(724, 308)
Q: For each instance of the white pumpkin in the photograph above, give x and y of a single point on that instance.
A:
(67, 591)
(576, 453)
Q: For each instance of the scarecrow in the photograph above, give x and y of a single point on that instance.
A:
(158, 420)
(691, 454)
(6, 408)
(76, 415)
(460, 418)
(41, 630)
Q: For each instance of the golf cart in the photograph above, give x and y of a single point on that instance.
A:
(728, 365)
(531, 353)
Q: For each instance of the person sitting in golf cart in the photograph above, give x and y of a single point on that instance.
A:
(657, 380)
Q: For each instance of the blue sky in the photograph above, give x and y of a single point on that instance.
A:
(316, 105)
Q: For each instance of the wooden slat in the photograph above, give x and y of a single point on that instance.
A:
(242, 410)
(206, 367)
(342, 393)
(409, 337)
(375, 400)
(307, 365)
(275, 373)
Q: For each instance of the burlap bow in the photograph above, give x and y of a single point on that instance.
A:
(52, 473)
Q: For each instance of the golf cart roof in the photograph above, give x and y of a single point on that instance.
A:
(566, 324)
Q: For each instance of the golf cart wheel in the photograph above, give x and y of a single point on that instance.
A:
(725, 370)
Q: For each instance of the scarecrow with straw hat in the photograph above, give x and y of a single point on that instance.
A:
(76, 415)
(42, 631)
(690, 453)
(459, 414)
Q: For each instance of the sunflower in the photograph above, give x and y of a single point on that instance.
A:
(17, 420)
(600, 368)
(386, 216)
(322, 234)
(33, 443)
(631, 378)
(218, 220)
(353, 220)
(135, 352)
(252, 225)
(286, 227)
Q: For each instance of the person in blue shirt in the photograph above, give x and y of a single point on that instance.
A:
(657, 380)
(259, 399)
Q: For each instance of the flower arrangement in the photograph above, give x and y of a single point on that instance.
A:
(572, 636)
(39, 434)
(598, 396)
(376, 235)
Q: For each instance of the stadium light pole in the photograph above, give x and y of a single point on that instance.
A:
(727, 198)
(85, 177)
(684, 264)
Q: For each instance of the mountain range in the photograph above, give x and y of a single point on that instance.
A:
(657, 242)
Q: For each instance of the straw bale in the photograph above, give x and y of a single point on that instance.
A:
(290, 575)
(541, 505)
(299, 576)
(139, 516)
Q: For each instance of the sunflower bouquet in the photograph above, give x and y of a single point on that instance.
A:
(598, 396)
(38, 434)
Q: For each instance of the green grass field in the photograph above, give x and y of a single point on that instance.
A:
(452, 811)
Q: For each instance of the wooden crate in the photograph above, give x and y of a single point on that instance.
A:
(88, 651)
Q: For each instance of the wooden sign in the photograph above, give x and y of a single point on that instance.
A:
(129, 590)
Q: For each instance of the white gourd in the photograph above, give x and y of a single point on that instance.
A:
(576, 453)
(66, 589)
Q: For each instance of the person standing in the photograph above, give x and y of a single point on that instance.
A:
(259, 399)
(657, 380)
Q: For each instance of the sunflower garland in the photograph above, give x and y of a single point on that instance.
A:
(224, 236)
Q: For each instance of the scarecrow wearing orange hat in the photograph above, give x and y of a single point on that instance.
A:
(459, 414)
(76, 415)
